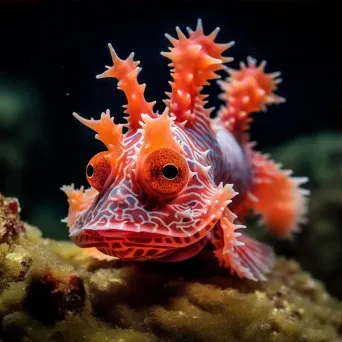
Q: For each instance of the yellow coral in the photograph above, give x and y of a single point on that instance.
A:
(53, 290)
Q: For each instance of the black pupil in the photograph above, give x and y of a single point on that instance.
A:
(170, 171)
(90, 170)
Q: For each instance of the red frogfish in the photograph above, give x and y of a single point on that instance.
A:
(177, 181)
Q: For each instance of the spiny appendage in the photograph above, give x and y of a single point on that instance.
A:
(108, 132)
(276, 196)
(79, 201)
(163, 124)
(225, 240)
(217, 205)
(244, 256)
(194, 61)
(246, 91)
(126, 72)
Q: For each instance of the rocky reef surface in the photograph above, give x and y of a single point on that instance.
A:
(54, 291)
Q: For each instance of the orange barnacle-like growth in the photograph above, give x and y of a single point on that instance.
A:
(126, 72)
(246, 91)
(194, 61)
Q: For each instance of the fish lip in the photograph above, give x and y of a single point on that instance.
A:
(116, 227)
(93, 235)
(76, 232)
(79, 231)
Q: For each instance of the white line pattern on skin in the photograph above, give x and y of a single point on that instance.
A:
(190, 195)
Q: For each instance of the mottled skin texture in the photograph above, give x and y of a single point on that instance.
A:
(170, 185)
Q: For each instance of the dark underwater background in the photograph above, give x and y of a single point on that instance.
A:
(50, 55)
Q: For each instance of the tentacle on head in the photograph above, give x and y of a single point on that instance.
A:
(246, 91)
(194, 61)
(126, 72)
(108, 132)
(158, 133)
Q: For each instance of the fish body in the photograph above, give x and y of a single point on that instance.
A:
(177, 181)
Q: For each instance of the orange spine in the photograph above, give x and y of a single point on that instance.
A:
(246, 91)
(194, 61)
(126, 72)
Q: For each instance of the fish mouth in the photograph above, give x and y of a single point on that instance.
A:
(94, 236)
(122, 244)
(121, 232)
(95, 230)
(125, 227)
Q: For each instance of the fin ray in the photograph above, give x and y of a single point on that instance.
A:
(281, 201)
(244, 256)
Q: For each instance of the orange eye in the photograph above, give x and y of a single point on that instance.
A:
(165, 172)
(98, 170)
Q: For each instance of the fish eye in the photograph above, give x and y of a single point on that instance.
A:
(170, 171)
(90, 170)
(97, 171)
(165, 172)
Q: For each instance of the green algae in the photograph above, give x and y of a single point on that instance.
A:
(54, 291)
